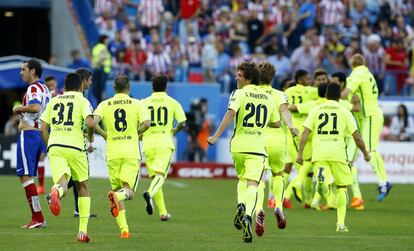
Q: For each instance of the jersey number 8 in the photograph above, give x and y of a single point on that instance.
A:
(120, 120)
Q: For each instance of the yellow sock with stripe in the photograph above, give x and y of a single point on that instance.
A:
(323, 189)
(241, 191)
(260, 196)
(278, 190)
(251, 200)
(121, 194)
(377, 164)
(156, 184)
(159, 201)
(84, 204)
(341, 195)
(60, 189)
(122, 222)
(356, 192)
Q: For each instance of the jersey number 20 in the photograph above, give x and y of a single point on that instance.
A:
(259, 113)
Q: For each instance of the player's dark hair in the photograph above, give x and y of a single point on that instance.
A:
(267, 72)
(36, 65)
(333, 91)
(84, 73)
(121, 83)
(73, 82)
(250, 72)
(49, 78)
(322, 90)
(102, 38)
(319, 72)
(159, 83)
(299, 74)
(341, 76)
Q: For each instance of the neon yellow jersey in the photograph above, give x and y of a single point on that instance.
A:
(65, 115)
(163, 111)
(330, 124)
(276, 136)
(363, 83)
(300, 94)
(305, 108)
(254, 109)
(121, 116)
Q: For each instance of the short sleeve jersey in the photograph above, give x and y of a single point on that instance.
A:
(363, 83)
(254, 109)
(65, 114)
(37, 93)
(121, 116)
(276, 136)
(300, 94)
(330, 124)
(163, 111)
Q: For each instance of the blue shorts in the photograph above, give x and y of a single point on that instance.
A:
(29, 148)
(43, 148)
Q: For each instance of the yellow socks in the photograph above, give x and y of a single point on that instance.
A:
(251, 200)
(121, 194)
(260, 196)
(278, 190)
(341, 196)
(356, 192)
(241, 191)
(121, 220)
(156, 185)
(377, 164)
(84, 204)
(159, 201)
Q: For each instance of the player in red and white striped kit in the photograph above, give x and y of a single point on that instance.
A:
(29, 145)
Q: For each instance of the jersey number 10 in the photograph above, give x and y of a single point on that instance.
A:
(160, 118)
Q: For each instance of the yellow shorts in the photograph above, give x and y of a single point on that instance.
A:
(340, 171)
(371, 129)
(123, 171)
(158, 160)
(293, 147)
(276, 158)
(249, 166)
(69, 162)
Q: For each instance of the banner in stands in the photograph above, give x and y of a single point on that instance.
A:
(398, 159)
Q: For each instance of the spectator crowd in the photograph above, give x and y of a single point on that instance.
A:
(204, 40)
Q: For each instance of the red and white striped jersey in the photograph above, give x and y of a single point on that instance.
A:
(159, 63)
(332, 11)
(375, 60)
(37, 93)
(150, 11)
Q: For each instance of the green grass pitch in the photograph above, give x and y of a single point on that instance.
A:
(202, 214)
